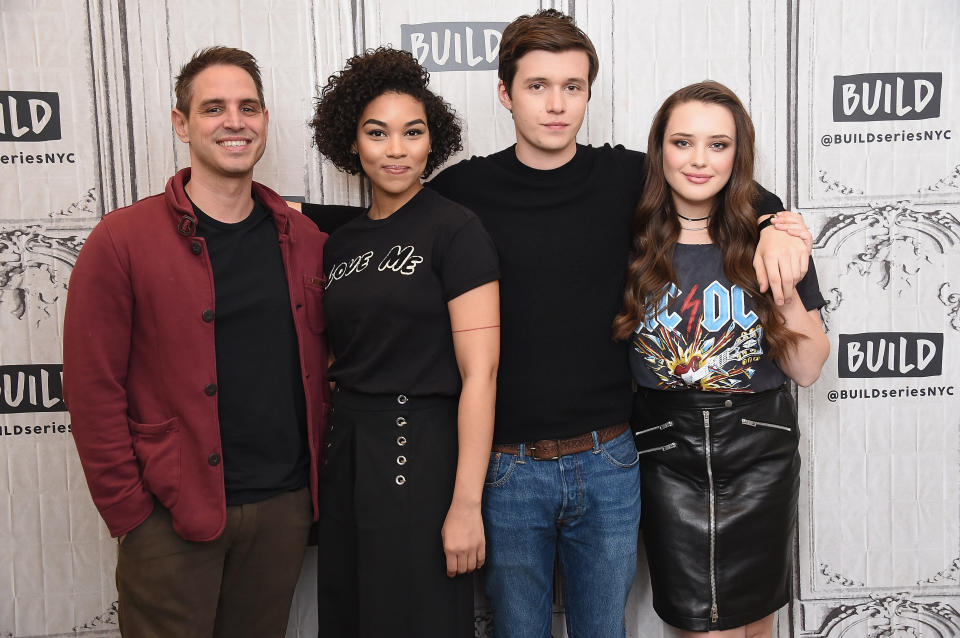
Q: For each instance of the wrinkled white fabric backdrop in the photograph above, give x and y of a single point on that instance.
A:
(878, 550)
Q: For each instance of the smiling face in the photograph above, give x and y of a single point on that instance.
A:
(393, 143)
(226, 126)
(548, 100)
(698, 152)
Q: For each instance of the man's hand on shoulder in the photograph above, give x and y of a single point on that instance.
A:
(783, 254)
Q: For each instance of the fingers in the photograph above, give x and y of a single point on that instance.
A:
(464, 562)
(761, 271)
(451, 564)
(771, 269)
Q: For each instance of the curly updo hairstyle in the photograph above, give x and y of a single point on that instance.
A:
(364, 78)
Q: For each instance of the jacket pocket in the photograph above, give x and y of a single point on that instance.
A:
(659, 448)
(313, 288)
(655, 428)
(157, 448)
(763, 424)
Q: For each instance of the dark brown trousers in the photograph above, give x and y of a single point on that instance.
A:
(238, 585)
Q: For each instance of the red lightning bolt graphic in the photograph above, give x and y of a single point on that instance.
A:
(694, 305)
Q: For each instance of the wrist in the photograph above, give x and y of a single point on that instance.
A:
(465, 502)
(764, 223)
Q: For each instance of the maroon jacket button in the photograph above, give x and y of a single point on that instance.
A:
(207, 315)
(214, 459)
(210, 389)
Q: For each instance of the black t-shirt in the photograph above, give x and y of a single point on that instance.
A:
(706, 334)
(388, 284)
(563, 236)
(262, 407)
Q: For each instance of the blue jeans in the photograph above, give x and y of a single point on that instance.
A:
(585, 506)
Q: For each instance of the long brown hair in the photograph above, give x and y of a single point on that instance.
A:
(732, 225)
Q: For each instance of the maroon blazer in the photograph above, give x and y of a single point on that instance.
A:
(139, 366)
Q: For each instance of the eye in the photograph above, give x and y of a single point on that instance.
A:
(414, 132)
(536, 86)
(681, 143)
(719, 146)
(375, 132)
(213, 109)
(573, 87)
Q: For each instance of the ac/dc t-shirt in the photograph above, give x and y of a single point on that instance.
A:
(388, 284)
(706, 334)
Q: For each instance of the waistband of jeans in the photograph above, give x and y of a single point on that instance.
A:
(552, 449)
(700, 400)
(383, 402)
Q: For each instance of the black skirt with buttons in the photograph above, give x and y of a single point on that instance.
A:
(385, 487)
(720, 476)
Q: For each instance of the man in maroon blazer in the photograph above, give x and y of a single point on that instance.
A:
(194, 372)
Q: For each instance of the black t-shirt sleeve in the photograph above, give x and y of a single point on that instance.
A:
(767, 202)
(467, 260)
(329, 217)
(809, 289)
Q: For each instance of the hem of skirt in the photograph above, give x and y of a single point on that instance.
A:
(699, 623)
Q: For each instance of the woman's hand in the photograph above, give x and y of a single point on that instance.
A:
(463, 541)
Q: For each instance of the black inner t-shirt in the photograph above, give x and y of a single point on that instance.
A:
(262, 407)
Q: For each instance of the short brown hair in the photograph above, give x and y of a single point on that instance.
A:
(212, 56)
(545, 30)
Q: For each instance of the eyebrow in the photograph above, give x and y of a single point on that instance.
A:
(220, 100)
(713, 137)
(543, 80)
(384, 124)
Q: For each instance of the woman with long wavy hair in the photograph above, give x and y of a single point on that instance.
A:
(716, 425)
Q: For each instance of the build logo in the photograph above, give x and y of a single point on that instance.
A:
(28, 116)
(31, 388)
(878, 97)
(890, 354)
(454, 46)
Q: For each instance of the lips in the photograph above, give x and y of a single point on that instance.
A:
(697, 178)
(555, 126)
(395, 169)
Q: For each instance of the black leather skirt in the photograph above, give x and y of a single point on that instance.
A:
(720, 475)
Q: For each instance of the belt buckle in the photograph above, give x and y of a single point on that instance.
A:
(532, 448)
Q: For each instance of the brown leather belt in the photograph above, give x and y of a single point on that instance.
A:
(550, 450)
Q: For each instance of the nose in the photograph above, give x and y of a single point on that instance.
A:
(395, 146)
(555, 100)
(233, 120)
(699, 156)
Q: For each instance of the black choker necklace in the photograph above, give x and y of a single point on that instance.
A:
(694, 219)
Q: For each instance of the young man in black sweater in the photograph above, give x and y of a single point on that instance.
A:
(563, 476)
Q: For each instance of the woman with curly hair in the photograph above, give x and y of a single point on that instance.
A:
(412, 314)
(716, 425)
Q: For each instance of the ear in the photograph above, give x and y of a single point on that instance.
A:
(180, 125)
(504, 96)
